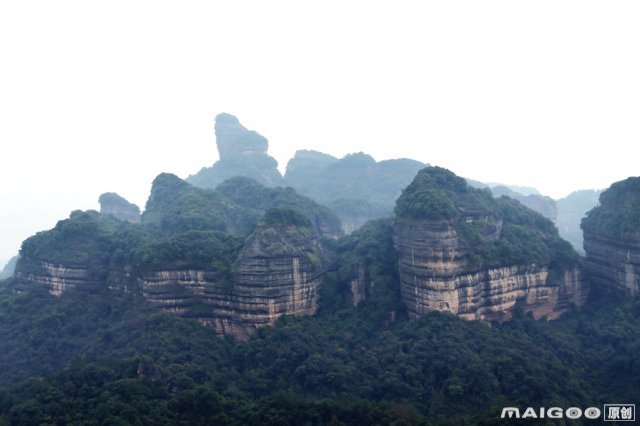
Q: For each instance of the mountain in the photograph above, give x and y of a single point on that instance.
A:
(465, 252)
(612, 239)
(9, 268)
(571, 210)
(203, 254)
(118, 207)
(546, 206)
(241, 152)
(356, 187)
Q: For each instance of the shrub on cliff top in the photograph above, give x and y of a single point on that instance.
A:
(618, 214)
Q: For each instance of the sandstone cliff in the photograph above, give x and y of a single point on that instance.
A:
(187, 258)
(464, 252)
(612, 239)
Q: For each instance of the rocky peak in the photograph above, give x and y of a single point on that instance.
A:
(612, 238)
(118, 207)
(241, 152)
(462, 251)
(232, 138)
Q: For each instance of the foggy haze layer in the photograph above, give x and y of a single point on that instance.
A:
(103, 97)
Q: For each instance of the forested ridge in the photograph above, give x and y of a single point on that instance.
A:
(108, 358)
(105, 356)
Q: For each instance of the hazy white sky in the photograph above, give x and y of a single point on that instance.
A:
(102, 96)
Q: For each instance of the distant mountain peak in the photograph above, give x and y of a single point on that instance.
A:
(232, 138)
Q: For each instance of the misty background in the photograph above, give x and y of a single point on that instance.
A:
(98, 97)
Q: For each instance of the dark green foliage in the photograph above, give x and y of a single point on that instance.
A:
(438, 194)
(175, 206)
(182, 227)
(618, 214)
(280, 216)
(525, 236)
(125, 363)
(369, 249)
(86, 240)
(250, 195)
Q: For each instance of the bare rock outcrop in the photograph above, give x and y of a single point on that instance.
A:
(241, 152)
(612, 239)
(278, 273)
(464, 252)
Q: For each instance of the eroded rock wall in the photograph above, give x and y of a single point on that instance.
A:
(435, 274)
(613, 263)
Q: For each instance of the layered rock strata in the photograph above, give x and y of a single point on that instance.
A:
(278, 274)
(612, 239)
(613, 263)
(435, 276)
(462, 251)
(58, 278)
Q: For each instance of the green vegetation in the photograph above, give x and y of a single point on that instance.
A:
(355, 187)
(182, 227)
(105, 358)
(618, 214)
(250, 195)
(496, 231)
(371, 249)
(438, 194)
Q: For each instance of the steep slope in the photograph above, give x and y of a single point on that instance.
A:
(612, 238)
(196, 253)
(462, 251)
(118, 207)
(544, 205)
(241, 152)
(250, 195)
(356, 187)
(571, 210)
(9, 268)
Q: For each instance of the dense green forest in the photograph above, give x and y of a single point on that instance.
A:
(106, 356)
(110, 359)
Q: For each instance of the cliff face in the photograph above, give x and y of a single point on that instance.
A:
(279, 273)
(614, 263)
(234, 284)
(435, 275)
(463, 252)
(612, 239)
(58, 278)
